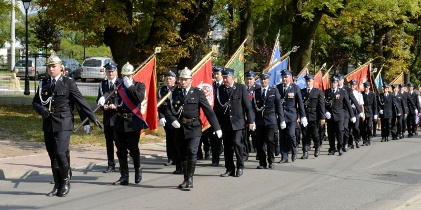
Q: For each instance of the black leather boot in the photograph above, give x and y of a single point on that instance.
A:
(186, 175)
(191, 166)
(305, 152)
(68, 163)
(65, 181)
(57, 181)
(124, 173)
(137, 170)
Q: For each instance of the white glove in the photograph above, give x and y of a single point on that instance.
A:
(283, 125)
(375, 117)
(381, 112)
(87, 128)
(253, 127)
(162, 122)
(127, 81)
(327, 115)
(304, 121)
(353, 119)
(362, 114)
(175, 124)
(101, 101)
(219, 134)
(416, 110)
(399, 114)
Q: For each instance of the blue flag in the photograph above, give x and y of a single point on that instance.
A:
(276, 53)
(275, 72)
(379, 82)
(301, 81)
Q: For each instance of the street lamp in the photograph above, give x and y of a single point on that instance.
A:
(26, 4)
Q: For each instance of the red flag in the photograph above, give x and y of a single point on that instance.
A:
(202, 79)
(318, 80)
(360, 75)
(325, 82)
(149, 110)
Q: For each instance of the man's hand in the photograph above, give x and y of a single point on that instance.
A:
(375, 117)
(176, 124)
(127, 81)
(381, 112)
(45, 113)
(283, 125)
(218, 134)
(101, 101)
(162, 122)
(304, 121)
(328, 115)
(252, 127)
(322, 121)
(353, 119)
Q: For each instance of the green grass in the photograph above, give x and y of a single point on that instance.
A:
(22, 123)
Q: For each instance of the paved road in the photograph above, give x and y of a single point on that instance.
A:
(381, 176)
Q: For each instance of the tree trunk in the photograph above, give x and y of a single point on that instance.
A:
(196, 25)
(303, 32)
(246, 31)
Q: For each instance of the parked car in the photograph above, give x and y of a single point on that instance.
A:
(37, 67)
(72, 68)
(93, 68)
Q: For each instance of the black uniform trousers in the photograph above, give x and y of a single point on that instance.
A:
(411, 123)
(57, 144)
(366, 128)
(311, 132)
(335, 131)
(127, 142)
(216, 146)
(354, 129)
(252, 135)
(233, 144)
(109, 143)
(386, 127)
(205, 141)
(346, 132)
(396, 126)
(188, 146)
(287, 140)
(170, 142)
(266, 138)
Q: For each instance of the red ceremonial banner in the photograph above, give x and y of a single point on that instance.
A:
(325, 82)
(318, 80)
(203, 80)
(361, 75)
(149, 111)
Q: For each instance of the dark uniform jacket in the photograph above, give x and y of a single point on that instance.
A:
(314, 104)
(251, 90)
(186, 110)
(403, 101)
(370, 103)
(63, 97)
(104, 90)
(389, 105)
(413, 103)
(352, 100)
(291, 102)
(267, 109)
(162, 92)
(335, 103)
(233, 110)
(126, 121)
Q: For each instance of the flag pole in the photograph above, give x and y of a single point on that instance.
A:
(304, 68)
(235, 54)
(294, 49)
(193, 71)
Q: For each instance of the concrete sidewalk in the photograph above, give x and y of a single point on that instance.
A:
(23, 166)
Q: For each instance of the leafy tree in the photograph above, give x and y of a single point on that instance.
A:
(47, 33)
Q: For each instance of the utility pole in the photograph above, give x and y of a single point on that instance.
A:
(12, 37)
